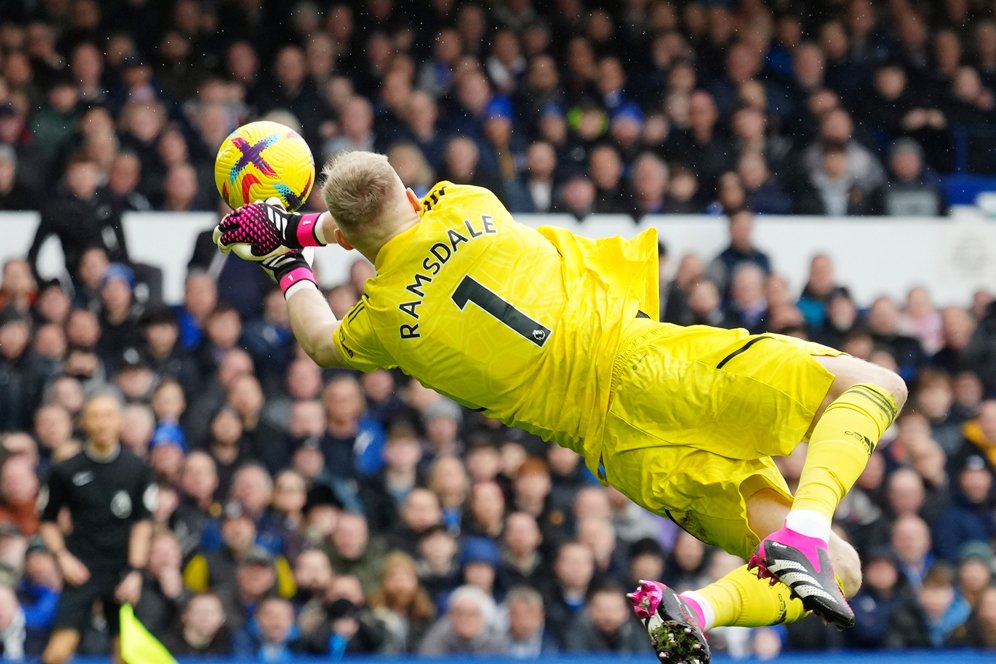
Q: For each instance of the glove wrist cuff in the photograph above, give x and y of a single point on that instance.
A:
(306, 231)
(295, 276)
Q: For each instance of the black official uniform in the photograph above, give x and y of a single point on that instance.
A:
(104, 498)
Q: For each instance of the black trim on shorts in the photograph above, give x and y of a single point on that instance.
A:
(640, 314)
(740, 350)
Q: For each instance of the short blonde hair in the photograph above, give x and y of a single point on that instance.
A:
(357, 187)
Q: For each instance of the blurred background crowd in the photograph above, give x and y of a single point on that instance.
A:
(326, 512)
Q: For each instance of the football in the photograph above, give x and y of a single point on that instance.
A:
(263, 160)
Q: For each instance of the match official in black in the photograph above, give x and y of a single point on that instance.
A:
(109, 494)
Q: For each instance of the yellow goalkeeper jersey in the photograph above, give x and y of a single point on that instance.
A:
(522, 324)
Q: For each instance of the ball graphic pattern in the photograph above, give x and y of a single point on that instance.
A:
(262, 160)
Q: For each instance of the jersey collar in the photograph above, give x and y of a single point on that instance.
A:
(394, 246)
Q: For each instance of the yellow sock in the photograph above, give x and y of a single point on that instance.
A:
(843, 439)
(742, 599)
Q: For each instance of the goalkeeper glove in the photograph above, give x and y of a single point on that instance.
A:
(267, 227)
(289, 268)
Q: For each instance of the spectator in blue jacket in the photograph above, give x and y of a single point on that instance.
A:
(970, 515)
(271, 635)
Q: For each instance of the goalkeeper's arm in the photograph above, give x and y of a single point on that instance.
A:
(311, 318)
(313, 323)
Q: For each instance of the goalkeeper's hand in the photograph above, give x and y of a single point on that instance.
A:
(289, 268)
(266, 228)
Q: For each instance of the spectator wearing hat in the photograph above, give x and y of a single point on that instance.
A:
(217, 570)
(402, 604)
(607, 624)
(201, 629)
(467, 628)
(322, 508)
(133, 378)
(259, 575)
(38, 593)
(975, 570)
(505, 146)
(480, 566)
(438, 561)
(75, 216)
(646, 559)
(14, 194)
(166, 452)
(442, 420)
(119, 312)
(970, 516)
(54, 123)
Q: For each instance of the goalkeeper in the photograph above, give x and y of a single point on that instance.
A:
(558, 335)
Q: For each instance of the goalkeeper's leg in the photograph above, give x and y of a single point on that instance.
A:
(740, 598)
(863, 401)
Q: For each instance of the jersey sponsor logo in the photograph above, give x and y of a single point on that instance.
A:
(439, 254)
(83, 478)
(121, 505)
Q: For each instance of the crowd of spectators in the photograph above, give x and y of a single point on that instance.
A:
(326, 512)
(835, 107)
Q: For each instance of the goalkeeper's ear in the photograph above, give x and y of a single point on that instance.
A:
(341, 240)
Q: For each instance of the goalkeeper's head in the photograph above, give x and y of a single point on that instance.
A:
(368, 201)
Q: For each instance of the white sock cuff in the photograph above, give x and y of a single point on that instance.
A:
(809, 523)
(708, 614)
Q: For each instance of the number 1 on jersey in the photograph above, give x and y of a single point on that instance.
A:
(471, 291)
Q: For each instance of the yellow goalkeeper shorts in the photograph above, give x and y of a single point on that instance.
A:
(695, 417)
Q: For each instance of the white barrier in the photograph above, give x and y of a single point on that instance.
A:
(873, 255)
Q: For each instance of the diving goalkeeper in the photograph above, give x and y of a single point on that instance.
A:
(558, 335)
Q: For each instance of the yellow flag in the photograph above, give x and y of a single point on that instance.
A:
(138, 646)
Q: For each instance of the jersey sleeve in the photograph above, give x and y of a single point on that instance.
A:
(357, 340)
(53, 496)
(144, 495)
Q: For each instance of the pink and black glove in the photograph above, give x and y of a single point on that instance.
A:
(288, 268)
(267, 227)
